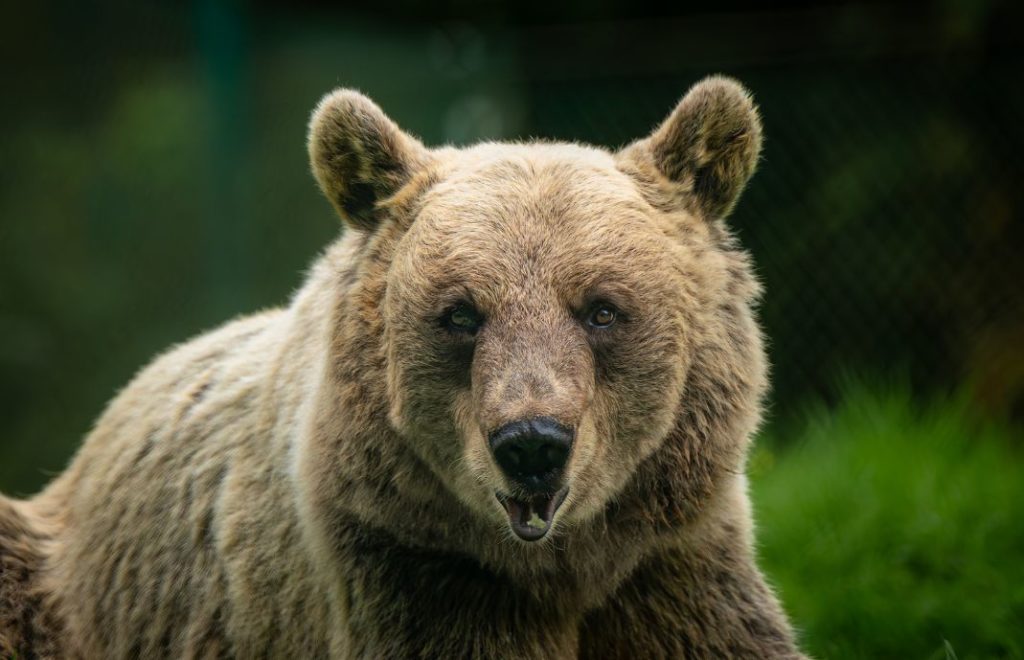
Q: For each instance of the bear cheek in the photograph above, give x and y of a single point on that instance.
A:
(469, 439)
(587, 473)
(421, 387)
(642, 394)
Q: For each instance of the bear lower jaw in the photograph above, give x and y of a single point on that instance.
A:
(531, 518)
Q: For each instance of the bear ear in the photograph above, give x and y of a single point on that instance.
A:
(706, 150)
(359, 156)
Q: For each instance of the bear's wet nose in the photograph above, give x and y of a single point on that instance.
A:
(532, 452)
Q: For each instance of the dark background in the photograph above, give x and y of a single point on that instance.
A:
(154, 180)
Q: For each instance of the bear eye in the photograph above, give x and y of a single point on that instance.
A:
(602, 316)
(463, 318)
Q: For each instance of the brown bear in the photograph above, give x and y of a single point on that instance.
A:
(506, 416)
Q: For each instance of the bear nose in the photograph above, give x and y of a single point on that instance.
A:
(532, 452)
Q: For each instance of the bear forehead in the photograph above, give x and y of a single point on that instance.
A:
(551, 178)
(502, 218)
(530, 198)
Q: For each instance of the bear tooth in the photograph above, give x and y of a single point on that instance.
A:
(536, 521)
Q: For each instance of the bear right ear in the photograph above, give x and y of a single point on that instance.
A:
(359, 156)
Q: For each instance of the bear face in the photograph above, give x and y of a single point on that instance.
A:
(575, 318)
(539, 307)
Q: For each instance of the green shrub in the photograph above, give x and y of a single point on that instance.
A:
(894, 530)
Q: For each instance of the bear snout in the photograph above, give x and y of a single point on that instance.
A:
(533, 453)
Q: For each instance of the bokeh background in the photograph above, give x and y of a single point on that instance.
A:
(154, 183)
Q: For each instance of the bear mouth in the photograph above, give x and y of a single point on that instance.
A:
(531, 518)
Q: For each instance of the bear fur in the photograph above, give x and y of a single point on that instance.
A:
(315, 481)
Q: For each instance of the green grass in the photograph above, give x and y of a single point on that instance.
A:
(894, 530)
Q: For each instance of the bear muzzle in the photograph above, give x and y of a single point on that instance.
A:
(532, 454)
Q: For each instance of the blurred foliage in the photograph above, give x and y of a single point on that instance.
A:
(891, 528)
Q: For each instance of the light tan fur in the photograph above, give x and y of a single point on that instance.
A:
(315, 481)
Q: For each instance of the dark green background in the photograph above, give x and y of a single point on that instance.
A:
(154, 183)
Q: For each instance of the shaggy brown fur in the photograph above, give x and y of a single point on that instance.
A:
(316, 481)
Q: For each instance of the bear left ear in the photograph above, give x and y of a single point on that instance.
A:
(359, 156)
(706, 150)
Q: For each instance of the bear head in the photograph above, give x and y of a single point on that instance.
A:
(550, 318)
